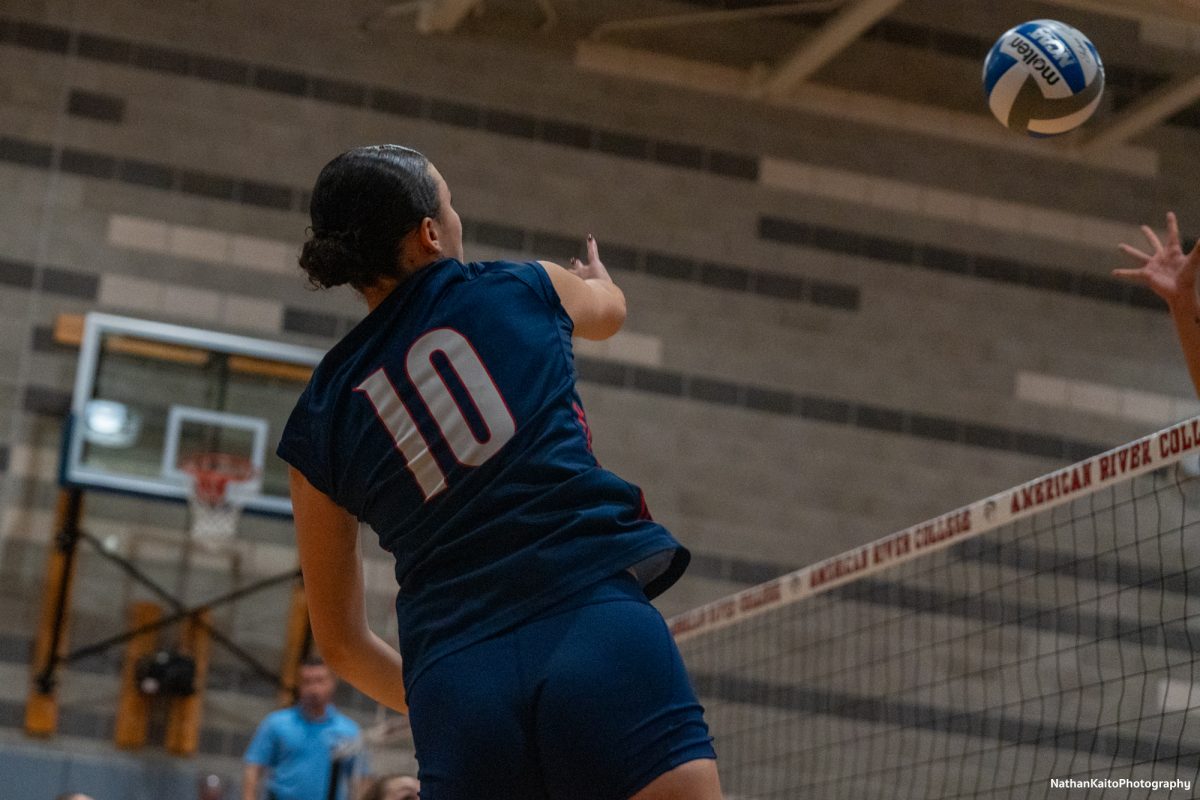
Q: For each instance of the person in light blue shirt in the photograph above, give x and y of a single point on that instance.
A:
(311, 750)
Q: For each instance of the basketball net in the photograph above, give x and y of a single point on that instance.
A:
(220, 485)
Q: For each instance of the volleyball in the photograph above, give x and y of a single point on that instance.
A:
(1043, 78)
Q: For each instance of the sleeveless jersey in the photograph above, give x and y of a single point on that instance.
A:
(448, 421)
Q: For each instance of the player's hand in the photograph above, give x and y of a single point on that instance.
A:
(593, 268)
(1167, 272)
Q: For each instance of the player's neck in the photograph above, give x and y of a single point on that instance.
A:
(377, 292)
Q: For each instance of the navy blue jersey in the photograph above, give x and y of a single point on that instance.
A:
(448, 420)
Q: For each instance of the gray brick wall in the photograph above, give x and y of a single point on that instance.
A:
(859, 392)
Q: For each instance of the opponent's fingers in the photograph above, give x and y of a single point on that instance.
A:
(1132, 275)
(1133, 251)
(1172, 229)
(593, 251)
(1152, 237)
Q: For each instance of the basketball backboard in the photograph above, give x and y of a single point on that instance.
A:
(150, 394)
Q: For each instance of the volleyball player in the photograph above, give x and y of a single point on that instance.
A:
(533, 665)
(1172, 276)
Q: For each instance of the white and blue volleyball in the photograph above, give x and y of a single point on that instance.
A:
(1043, 78)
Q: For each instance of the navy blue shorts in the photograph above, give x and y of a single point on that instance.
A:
(589, 701)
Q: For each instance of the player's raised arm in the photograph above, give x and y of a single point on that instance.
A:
(593, 302)
(1171, 274)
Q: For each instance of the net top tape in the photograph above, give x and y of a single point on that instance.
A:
(1147, 454)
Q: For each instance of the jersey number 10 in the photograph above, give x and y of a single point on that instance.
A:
(435, 356)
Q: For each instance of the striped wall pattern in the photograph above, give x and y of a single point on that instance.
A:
(256, 252)
(1089, 397)
(825, 281)
(768, 170)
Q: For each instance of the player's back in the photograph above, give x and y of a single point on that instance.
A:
(448, 420)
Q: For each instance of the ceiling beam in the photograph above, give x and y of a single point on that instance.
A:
(687, 73)
(641, 24)
(740, 84)
(443, 16)
(819, 48)
(1170, 10)
(1145, 113)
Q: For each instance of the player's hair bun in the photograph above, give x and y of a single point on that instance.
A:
(335, 258)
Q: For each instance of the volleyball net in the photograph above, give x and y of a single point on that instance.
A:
(1037, 643)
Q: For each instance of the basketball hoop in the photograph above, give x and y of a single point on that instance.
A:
(220, 485)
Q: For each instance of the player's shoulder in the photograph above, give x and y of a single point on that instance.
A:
(502, 268)
(528, 274)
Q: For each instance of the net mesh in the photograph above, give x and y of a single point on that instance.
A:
(219, 485)
(1035, 642)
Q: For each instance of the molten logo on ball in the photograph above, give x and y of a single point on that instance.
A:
(1043, 78)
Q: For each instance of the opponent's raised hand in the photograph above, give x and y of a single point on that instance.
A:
(1167, 271)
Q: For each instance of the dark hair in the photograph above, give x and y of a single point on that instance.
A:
(364, 203)
(313, 661)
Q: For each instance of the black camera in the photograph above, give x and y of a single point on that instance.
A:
(167, 673)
